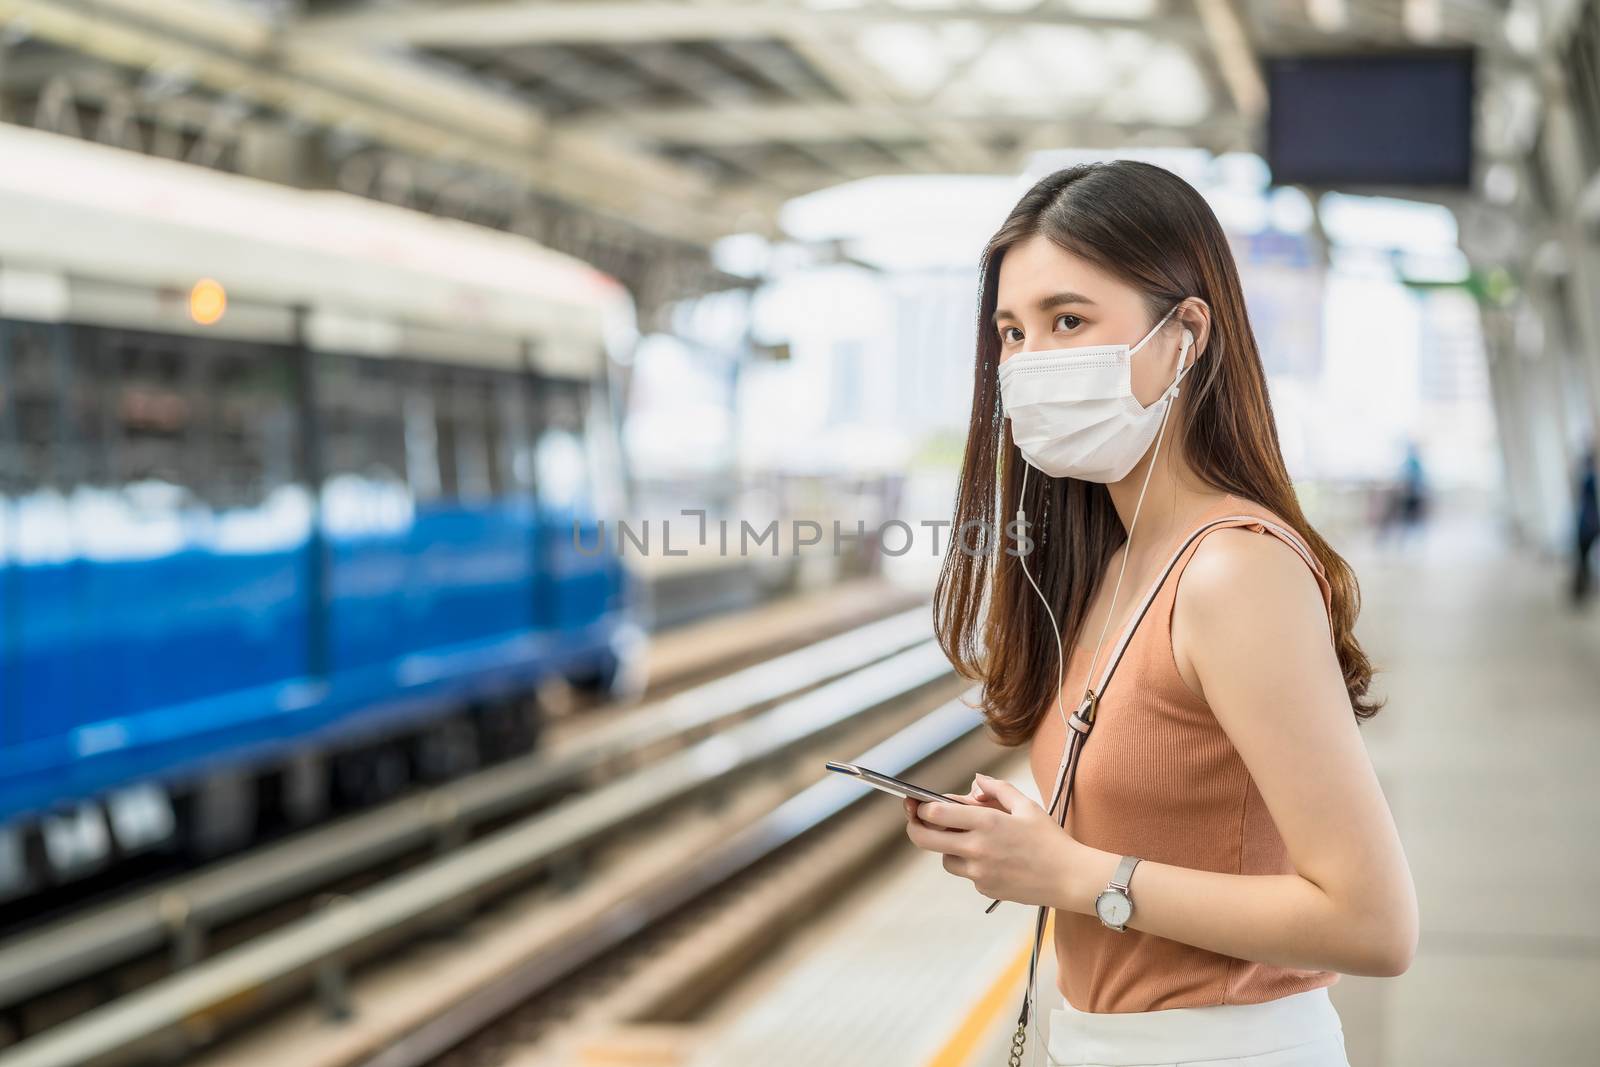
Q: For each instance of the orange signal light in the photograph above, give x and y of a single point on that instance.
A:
(207, 301)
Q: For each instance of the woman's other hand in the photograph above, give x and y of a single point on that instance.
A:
(1007, 845)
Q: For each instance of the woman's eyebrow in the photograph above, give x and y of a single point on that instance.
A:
(1055, 300)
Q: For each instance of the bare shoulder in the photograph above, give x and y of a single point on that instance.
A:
(1246, 599)
(1238, 566)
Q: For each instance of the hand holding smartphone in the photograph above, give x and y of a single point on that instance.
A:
(899, 787)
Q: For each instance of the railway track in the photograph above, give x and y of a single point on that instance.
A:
(662, 929)
(643, 997)
(224, 944)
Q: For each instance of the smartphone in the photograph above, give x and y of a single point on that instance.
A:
(899, 787)
(887, 782)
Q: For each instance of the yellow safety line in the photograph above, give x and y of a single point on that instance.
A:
(958, 1050)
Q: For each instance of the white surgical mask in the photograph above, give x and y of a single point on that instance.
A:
(1072, 410)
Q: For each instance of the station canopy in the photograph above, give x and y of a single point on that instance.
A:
(638, 132)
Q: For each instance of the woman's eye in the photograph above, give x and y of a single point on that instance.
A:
(1005, 335)
(1076, 322)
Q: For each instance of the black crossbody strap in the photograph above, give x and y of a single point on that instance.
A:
(1082, 721)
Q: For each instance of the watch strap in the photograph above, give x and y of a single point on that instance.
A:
(1124, 873)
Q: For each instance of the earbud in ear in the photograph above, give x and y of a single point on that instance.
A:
(1188, 339)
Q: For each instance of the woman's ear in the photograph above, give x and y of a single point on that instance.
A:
(1196, 330)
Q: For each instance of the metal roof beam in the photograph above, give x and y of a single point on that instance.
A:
(706, 83)
(734, 124)
(396, 101)
(499, 23)
(821, 37)
(867, 88)
(1235, 56)
(27, 72)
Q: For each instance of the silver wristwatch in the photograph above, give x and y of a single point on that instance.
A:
(1113, 905)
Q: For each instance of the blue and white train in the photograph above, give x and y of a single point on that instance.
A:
(288, 483)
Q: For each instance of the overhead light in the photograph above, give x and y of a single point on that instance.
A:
(1424, 19)
(1329, 16)
(1500, 183)
(1128, 9)
(1522, 27)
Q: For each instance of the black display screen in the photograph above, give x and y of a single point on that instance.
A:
(1402, 118)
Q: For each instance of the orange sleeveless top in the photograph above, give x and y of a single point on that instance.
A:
(1159, 779)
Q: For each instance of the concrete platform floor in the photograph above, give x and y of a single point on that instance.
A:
(1489, 754)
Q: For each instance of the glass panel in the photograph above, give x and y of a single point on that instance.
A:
(38, 380)
(560, 456)
(149, 406)
(252, 446)
(372, 466)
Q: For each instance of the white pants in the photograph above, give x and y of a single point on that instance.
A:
(1300, 1030)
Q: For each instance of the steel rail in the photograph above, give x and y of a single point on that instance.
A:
(923, 740)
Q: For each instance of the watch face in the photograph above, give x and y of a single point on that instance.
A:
(1113, 907)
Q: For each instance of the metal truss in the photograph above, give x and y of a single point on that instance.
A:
(636, 132)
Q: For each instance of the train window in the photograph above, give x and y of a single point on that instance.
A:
(57, 440)
(366, 429)
(458, 456)
(363, 425)
(422, 443)
(499, 429)
(474, 416)
(147, 399)
(37, 372)
(561, 459)
(468, 434)
(252, 425)
(513, 453)
(445, 431)
(10, 469)
(450, 433)
(89, 412)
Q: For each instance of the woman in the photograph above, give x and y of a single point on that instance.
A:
(1224, 767)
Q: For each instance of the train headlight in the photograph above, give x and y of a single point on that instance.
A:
(207, 301)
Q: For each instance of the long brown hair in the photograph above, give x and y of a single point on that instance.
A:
(1153, 230)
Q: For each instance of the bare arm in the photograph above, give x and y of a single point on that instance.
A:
(1260, 647)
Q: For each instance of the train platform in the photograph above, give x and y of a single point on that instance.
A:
(910, 971)
(1486, 753)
